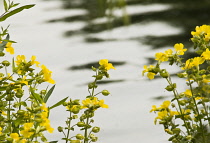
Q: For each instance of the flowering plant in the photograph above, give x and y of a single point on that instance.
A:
(186, 117)
(24, 115)
(89, 105)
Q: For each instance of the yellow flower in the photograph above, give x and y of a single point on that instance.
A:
(206, 79)
(165, 104)
(102, 105)
(44, 107)
(161, 115)
(88, 103)
(1, 130)
(9, 48)
(179, 49)
(161, 57)
(106, 64)
(47, 74)
(33, 58)
(201, 30)
(188, 93)
(206, 54)
(150, 75)
(26, 130)
(154, 108)
(20, 59)
(15, 136)
(198, 60)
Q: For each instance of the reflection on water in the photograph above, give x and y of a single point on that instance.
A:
(182, 14)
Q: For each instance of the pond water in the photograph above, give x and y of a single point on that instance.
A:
(127, 119)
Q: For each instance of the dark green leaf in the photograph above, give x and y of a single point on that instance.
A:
(13, 65)
(53, 141)
(16, 4)
(36, 96)
(46, 97)
(5, 6)
(17, 10)
(58, 103)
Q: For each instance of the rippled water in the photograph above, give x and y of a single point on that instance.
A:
(128, 119)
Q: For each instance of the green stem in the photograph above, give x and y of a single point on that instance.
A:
(180, 109)
(9, 117)
(69, 126)
(197, 110)
(86, 131)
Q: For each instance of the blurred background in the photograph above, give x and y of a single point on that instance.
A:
(69, 36)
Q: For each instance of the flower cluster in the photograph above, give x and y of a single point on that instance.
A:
(186, 120)
(89, 105)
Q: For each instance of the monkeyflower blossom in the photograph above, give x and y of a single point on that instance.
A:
(9, 48)
(95, 103)
(20, 59)
(206, 54)
(15, 136)
(44, 116)
(201, 30)
(33, 58)
(195, 62)
(105, 63)
(47, 74)
(179, 48)
(150, 75)
(163, 56)
(26, 132)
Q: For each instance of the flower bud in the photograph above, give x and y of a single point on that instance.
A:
(80, 124)
(76, 110)
(9, 97)
(2, 54)
(189, 137)
(43, 92)
(91, 85)
(60, 129)
(94, 139)
(39, 120)
(19, 94)
(82, 117)
(93, 68)
(5, 63)
(105, 92)
(80, 137)
(75, 141)
(205, 100)
(99, 77)
(176, 130)
(95, 129)
(76, 102)
(21, 112)
(182, 102)
(169, 131)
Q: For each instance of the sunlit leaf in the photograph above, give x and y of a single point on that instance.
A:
(58, 103)
(46, 97)
(17, 10)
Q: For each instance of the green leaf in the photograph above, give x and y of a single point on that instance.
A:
(13, 65)
(5, 6)
(46, 97)
(17, 10)
(36, 96)
(58, 103)
(53, 141)
(14, 5)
